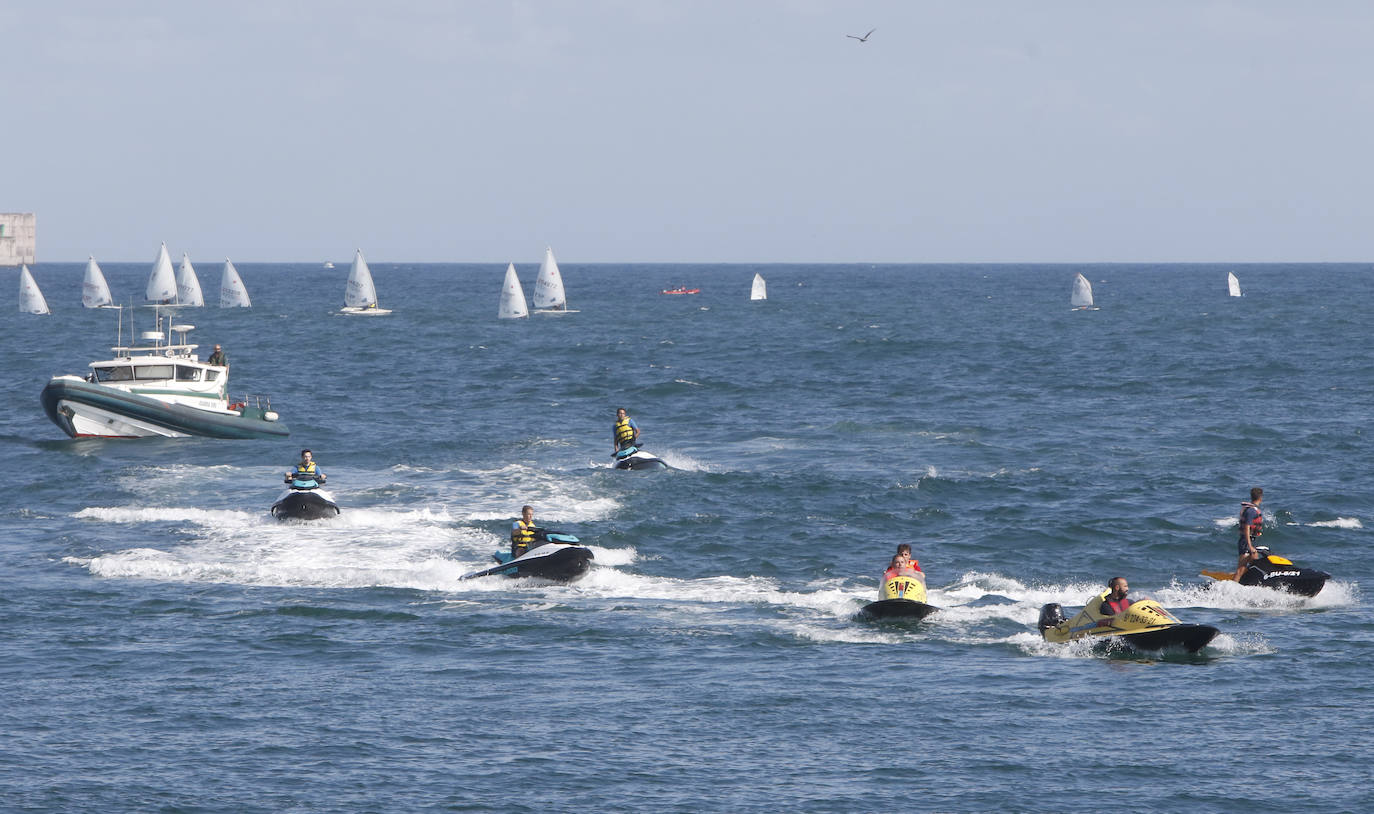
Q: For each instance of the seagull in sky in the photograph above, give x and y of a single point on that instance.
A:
(864, 38)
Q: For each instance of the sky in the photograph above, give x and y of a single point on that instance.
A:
(691, 130)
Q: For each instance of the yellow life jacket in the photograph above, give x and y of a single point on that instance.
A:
(306, 472)
(521, 535)
(624, 433)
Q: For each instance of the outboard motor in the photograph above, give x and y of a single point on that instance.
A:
(1051, 615)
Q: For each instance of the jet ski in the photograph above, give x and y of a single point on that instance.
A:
(901, 597)
(304, 500)
(636, 458)
(1279, 573)
(1145, 625)
(555, 556)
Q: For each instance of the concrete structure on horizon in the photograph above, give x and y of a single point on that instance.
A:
(17, 237)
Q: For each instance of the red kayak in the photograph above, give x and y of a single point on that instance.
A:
(681, 290)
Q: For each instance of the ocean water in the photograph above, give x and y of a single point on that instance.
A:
(166, 646)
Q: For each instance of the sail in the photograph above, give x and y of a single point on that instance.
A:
(512, 297)
(30, 298)
(360, 292)
(188, 284)
(760, 288)
(95, 292)
(1082, 292)
(232, 292)
(1232, 284)
(162, 283)
(548, 288)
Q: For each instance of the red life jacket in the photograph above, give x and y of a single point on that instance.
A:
(1256, 525)
(1116, 605)
(897, 572)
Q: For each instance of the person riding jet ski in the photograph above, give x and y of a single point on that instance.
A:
(1111, 616)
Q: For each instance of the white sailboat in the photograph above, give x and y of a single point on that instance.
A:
(31, 300)
(1232, 284)
(759, 291)
(360, 295)
(1082, 297)
(162, 282)
(549, 297)
(232, 292)
(95, 291)
(512, 297)
(188, 285)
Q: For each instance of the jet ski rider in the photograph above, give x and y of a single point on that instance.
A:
(1116, 601)
(1251, 527)
(625, 433)
(307, 470)
(902, 563)
(522, 532)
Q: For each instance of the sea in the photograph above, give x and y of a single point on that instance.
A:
(167, 646)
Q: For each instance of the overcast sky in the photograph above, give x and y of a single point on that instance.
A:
(681, 131)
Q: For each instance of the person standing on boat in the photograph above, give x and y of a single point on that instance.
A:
(1115, 602)
(625, 433)
(306, 470)
(522, 532)
(1251, 527)
(217, 358)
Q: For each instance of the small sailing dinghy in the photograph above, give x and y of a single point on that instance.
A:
(360, 295)
(188, 285)
(1082, 297)
(162, 281)
(95, 291)
(1232, 284)
(759, 290)
(549, 297)
(232, 292)
(512, 297)
(31, 300)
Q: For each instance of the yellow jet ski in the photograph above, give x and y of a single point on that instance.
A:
(902, 596)
(1145, 625)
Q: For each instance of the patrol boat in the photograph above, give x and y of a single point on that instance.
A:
(157, 388)
(902, 596)
(1279, 573)
(555, 556)
(1145, 625)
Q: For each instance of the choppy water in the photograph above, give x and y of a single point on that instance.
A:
(167, 646)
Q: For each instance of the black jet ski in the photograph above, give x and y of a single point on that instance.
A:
(555, 556)
(903, 596)
(1145, 625)
(636, 458)
(1279, 573)
(304, 500)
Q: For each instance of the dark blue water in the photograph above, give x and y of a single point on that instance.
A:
(166, 646)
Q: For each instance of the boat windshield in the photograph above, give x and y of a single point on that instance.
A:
(186, 373)
(160, 372)
(122, 373)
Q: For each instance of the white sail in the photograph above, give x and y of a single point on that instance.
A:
(162, 282)
(360, 292)
(95, 291)
(30, 298)
(1082, 292)
(548, 287)
(232, 292)
(188, 284)
(1232, 284)
(759, 291)
(512, 297)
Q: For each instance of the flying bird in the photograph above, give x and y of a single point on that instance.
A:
(864, 38)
